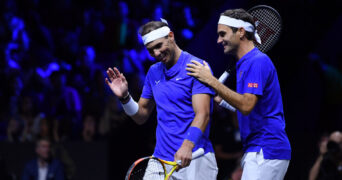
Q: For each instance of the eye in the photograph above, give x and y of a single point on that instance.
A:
(159, 45)
(221, 34)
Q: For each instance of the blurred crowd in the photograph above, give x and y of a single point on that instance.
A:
(53, 57)
(53, 60)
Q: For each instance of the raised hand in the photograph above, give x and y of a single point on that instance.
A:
(117, 82)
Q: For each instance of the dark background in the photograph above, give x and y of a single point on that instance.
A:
(307, 57)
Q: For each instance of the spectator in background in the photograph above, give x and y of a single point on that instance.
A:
(44, 128)
(14, 130)
(328, 165)
(89, 128)
(112, 118)
(84, 69)
(64, 103)
(27, 115)
(44, 166)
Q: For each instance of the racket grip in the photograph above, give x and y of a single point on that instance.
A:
(199, 152)
(224, 77)
(226, 105)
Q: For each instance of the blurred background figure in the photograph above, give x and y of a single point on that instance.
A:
(328, 164)
(14, 130)
(44, 166)
(89, 128)
(53, 56)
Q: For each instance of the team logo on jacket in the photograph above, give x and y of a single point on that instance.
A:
(253, 85)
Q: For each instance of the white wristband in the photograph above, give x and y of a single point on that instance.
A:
(131, 107)
(224, 104)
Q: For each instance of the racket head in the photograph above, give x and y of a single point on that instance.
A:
(138, 169)
(268, 24)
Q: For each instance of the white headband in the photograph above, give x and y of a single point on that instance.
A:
(156, 34)
(237, 23)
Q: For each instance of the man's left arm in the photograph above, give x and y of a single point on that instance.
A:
(201, 106)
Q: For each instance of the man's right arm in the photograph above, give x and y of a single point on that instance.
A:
(243, 102)
(145, 108)
(140, 111)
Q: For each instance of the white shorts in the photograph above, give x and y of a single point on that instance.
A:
(255, 167)
(202, 168)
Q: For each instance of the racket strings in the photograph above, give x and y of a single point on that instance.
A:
(269, 27)
(154, 170)
(138, 170)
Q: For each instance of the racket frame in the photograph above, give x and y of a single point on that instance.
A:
(199, 152)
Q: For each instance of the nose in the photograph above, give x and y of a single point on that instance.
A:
(219, 40)
(156, 52)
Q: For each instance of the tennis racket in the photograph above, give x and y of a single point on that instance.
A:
(268, 24)
(152, 168)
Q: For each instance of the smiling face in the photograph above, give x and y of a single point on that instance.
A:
(228, 39)
(163, 49)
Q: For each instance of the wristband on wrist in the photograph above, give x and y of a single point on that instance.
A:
(131, 107)
(125, 99)
(194, 134)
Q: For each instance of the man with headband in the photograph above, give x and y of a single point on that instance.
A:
(183, 104)
(257, 98)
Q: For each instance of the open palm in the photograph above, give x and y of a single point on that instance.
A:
(117, 82)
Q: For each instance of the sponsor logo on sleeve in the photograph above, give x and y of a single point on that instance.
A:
(253, 85)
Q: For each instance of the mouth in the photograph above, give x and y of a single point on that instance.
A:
(225, 45)
(162, 58)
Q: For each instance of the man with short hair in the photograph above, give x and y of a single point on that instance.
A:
(183, 105)
(257, 98)
(44, 167)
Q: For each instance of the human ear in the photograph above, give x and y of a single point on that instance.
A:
(242, 32)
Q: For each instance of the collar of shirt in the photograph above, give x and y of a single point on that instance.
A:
(251, 53)
(170, 73)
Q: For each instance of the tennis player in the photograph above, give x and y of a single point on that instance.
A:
(258, 98)
(183, 105)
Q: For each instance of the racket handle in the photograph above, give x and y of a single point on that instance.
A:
(199, 152)
(226, 105)
(224, 77)
(223, 103)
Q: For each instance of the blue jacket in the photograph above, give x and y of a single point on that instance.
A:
(55, 170)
